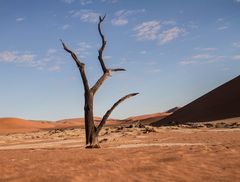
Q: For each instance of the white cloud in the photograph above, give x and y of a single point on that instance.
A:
(206, 48)
(151, 30)
(238, 1)
(122, 15)
(143, 52)
(202, 59)
(226, 69)
(83, 48)
(201, 56)
(147, 30)
(155, 70)
(109, 1)
(220, 19)
(185, 62)
(222, 28)
(19, 19)
(15, 57)
(55, 68)
(50, 61)
(68, 1)
(236, 44)
(85, 2)
(192, 25)
(169, 22)
(86, 15)
(66, 26)
(107, 57)
(236, 57)
(51, 51)
(119, 21)
(171, 34)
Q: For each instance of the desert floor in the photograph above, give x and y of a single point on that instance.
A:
(128, 153)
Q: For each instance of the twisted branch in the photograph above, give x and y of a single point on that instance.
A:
(107, 114)
(101, 49)
(79, 65)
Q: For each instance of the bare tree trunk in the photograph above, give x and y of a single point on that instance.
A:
(91, 130)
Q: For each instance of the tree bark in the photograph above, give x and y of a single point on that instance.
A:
(90, 129)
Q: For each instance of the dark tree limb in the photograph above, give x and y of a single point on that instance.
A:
(117, 69)
(107, 114)
(100, 50)
(79, 65)
(100, 82)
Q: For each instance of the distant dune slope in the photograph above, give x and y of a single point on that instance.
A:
(220, 103)
(79, 122)
(147, 118)
(14, 125)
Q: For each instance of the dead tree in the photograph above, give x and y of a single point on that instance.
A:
(91, 130)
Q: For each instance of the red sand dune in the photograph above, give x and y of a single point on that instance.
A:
(147, 118)
(79, 122)
(15, 125)
(220, 103)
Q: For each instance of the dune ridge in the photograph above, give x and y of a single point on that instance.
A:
(221, 103)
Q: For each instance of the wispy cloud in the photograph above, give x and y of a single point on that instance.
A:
(192, 25)
(222, 24)
(16, 57)
(226, 69)
(147, 30)
(107, 58)
(205, 48)
(119, 21)
(19, 19)
(223, 27)
(54, 68)
(83, 48)
(85, 2)
(86, 15)
(143, 52)
(202, 59)
(68, 1)
(109, 1)
(151, 30)
(171, 34)
(121, 16)
(201, 56)
(26, 59)
(51, 51)
(236, 44)
(155, 70)
(236, 57)
(169, 22)
(66, 27)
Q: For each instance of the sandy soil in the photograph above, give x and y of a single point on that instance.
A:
(128, 153)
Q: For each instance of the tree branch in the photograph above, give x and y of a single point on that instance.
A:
(117, 69)
(79, 65)
(100, 50)
(107, 114)
(100, 82)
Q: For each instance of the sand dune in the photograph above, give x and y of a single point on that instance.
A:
(220, 103)
(147, 118)
(15, 125)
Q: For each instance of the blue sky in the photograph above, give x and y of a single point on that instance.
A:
(174, 51)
